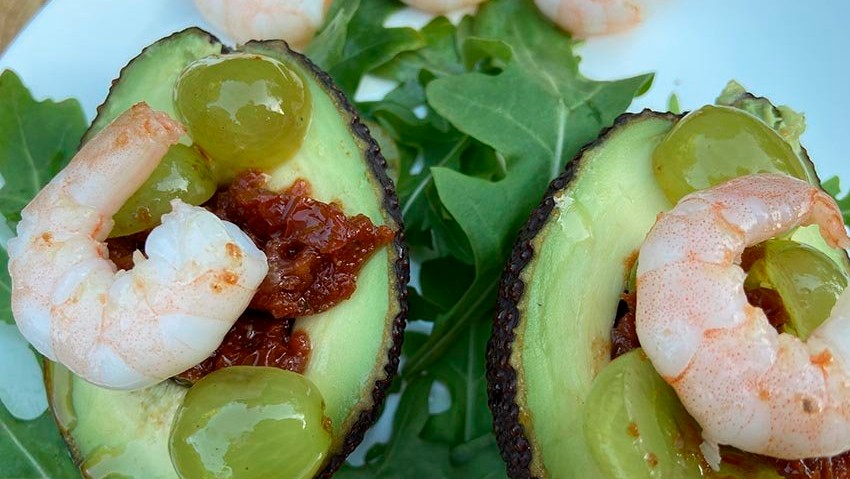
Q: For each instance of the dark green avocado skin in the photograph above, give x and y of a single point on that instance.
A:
(390, 203)
(514, 444)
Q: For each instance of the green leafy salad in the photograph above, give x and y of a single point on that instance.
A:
(484, 114)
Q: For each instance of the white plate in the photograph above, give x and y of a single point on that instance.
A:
(791, 51)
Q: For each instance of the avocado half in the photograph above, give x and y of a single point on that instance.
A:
(355, 345)
(560, 292)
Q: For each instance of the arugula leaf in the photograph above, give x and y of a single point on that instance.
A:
(464, 373)
(33, 449)
(329, 43)
(673, 105)
(444, 279)
(36, 140)
(427, 138)
(438, 55)
(354, 41)
(423, 444)
(833, 187)
(409, 455)
(537, 111)
(399, 457)
(430, 141)
(485, 114)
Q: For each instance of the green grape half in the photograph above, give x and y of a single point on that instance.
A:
(637, 428)
(634, 422)
(250, 422)
(715, 144)
(183, 173)
(244, 111)
(807, 281)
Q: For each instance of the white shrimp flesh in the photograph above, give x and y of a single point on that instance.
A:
(126, 329)
(588, 18)
(295, 21)
(745, 384)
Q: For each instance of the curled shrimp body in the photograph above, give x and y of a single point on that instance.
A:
(747, 385)
(295, 21)
(588, 18)
(442, 7)
(126, 329)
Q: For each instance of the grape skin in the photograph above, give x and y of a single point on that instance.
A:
(250, 422)
(244, 111)
(715, 144)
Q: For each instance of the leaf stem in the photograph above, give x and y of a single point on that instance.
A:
(429, 176)
(20, 446)
(442, 338)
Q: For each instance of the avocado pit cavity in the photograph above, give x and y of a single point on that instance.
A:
(314, 250)
(314, 254)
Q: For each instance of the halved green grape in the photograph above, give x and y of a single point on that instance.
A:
(244, 111)
(718, 143)
(635, 424)
(183, 173)
(807, 281)
(250, 422)
(637, 428)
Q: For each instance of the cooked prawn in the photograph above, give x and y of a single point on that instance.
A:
(295, 21)
(588, 18)
(747, 385)
(126, 329)
(442, 7)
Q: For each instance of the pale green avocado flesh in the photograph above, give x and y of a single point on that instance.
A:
(571, 296)
(582, 257)
(125, 434)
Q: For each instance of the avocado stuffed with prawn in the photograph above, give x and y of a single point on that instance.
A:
(561, 407)
(353, 346)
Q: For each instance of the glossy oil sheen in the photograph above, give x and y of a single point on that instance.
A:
(715, 144)
(807, 280)
(183, 173)
(249, 423)
(244, 111)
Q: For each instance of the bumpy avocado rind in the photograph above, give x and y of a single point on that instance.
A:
(355, 345)
(519, 435)
(559, 296)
